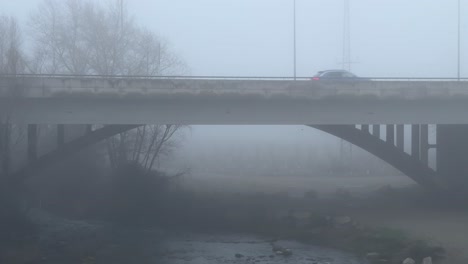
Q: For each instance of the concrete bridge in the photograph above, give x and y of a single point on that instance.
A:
(380, 107)
(113, 100)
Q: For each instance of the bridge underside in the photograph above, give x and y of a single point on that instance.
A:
(452, 156)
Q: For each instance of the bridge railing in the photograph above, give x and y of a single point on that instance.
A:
(101, 86)
(272, 78)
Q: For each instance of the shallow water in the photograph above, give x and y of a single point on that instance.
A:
(211, 249)
(65, 241)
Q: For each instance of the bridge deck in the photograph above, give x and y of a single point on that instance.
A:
(95, 100)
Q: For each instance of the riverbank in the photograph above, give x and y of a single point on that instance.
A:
(319, 222)
(447, 229)
(279, 221)
(62, 241)
(339, 219)
(377, 202)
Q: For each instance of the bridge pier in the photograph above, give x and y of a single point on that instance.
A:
(415, 142)
(5, 151)
(365, 128)
(390, 137)
(88, 129)
(32, 142)
(452, 156)
(424, 148)
(376, 130)
(60, 135)
(400, 137)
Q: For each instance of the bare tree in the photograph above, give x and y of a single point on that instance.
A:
(143, 146)
(82, 37)
(11, 57)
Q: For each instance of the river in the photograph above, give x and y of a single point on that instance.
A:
(214, 249)
(81, 242)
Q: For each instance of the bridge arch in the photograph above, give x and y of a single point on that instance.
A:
(388, 152)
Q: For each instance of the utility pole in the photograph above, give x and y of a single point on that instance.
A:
(346, 148)
(459, 41)
(346, 37)
(121, 12)
(159, 57)
(294, 18)
(121, 3)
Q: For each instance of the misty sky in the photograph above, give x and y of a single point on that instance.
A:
(398, 38)
(255, 37)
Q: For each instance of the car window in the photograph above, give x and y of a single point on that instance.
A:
(348, 75)
(318, 74)
(333, 75)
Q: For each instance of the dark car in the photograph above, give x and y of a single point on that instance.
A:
(337, 75)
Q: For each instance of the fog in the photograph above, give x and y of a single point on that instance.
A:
(255, 38)
(177, 193)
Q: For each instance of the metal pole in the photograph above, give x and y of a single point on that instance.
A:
(459, 30)
(346, 36)
(159, 57)
(295, 60)
(121, 16)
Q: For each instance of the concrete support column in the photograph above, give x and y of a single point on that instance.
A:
(415, 141)
(390, 137)
(89, 129)
(376, 130)
(60, 135)
(452, 155)
(425, 144)
(5, 148)
(32, 142)
(365, 128)
(400, 137)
